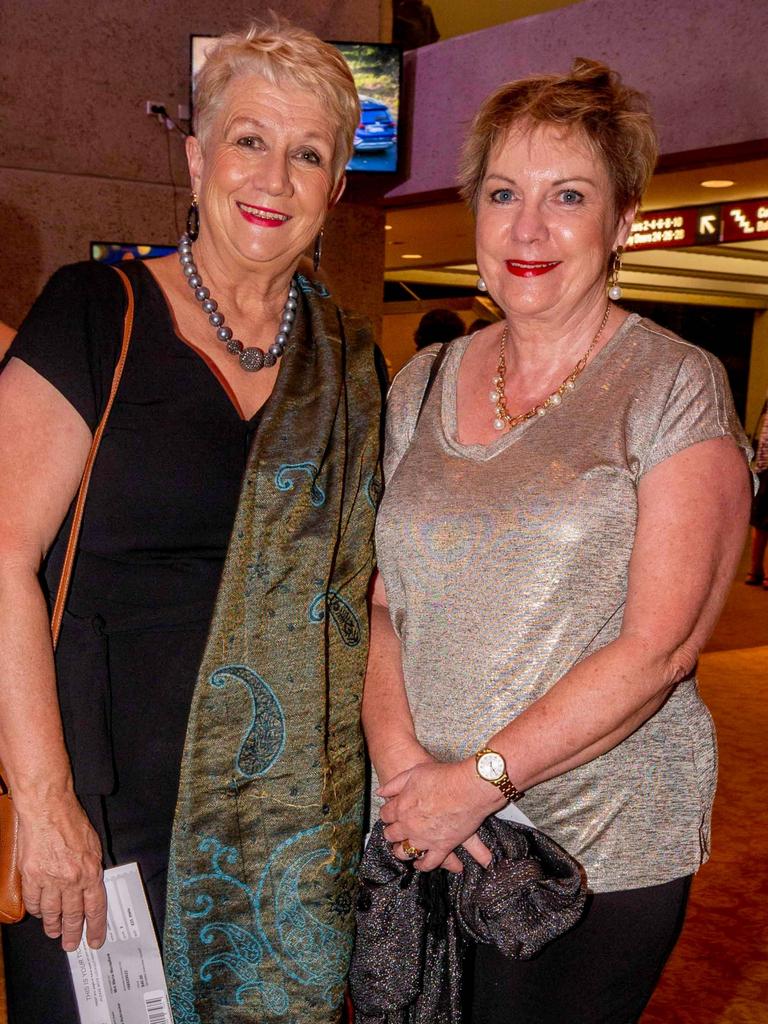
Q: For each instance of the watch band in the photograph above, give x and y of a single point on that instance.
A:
(508, 788)
(504, 784)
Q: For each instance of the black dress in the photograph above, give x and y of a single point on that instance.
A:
(161, 504)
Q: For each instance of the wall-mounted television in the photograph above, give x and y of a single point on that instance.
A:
(377, 70)
(114, 252)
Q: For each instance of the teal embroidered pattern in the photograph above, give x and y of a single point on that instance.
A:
(265, 739)
(284, 481)
(243, 959)
(310, 287)
(178, 968)
(304, 948)
(345, 620)
(373, 490)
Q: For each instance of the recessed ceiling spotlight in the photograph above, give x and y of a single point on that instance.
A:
(717, 183)
(387, 227)
(410, 256)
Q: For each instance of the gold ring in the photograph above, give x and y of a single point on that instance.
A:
(412, 851)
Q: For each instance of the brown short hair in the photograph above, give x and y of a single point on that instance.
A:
(615, 119)
(281, 53)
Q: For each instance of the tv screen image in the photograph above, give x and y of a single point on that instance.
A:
(114, 252)
(376, 69)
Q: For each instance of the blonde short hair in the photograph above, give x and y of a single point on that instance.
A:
(281, 53)
(614, 118)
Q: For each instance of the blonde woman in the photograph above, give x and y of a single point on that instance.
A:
(218, 604)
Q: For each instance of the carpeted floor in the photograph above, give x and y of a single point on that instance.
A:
(744, 622)
(718, 973)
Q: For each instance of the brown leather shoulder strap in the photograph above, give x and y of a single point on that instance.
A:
(437, 362)
(77, 518)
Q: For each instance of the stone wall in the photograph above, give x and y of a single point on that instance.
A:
(80, 160)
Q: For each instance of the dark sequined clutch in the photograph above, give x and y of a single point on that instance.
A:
(413, 927)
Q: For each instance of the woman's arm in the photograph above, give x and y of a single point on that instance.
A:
(692, 516)
(387, 721)
(44, 443)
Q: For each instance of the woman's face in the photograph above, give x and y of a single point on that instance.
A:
(546, 224)
(264, 175)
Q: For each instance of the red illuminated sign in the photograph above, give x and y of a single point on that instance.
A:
(746, 221)
(700, 225)
(664, 229)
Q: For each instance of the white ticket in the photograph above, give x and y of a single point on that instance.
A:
(123, 982)
(513, 813)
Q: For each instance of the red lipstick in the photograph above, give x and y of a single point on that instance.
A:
(531, 268)
(263, 215)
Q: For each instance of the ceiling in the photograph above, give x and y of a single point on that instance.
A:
(442, 235)
(457, 17)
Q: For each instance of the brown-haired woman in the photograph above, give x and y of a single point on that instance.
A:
(556, 541)
(218, 605)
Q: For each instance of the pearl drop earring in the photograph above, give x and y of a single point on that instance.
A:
(614, 289)
(481, 285)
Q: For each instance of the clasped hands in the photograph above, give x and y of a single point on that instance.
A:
(435, 807)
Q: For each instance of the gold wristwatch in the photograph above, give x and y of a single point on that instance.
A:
(491, 767)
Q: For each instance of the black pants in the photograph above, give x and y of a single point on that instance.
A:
(134, 822)
(603, 971)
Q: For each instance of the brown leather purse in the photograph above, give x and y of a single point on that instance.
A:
(11, 903)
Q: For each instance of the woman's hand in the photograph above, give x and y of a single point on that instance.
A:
(437, 807)
(61, 874)
(401, 754)
(402, 764)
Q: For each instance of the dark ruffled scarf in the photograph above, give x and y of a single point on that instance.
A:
(413, 928)
(267, 835)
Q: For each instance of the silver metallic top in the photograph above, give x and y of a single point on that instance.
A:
(761, 442)
(506, 564)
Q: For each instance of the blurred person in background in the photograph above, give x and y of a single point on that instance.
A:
(438, 326)
(759, 519)
(479, 324)
(413, 24)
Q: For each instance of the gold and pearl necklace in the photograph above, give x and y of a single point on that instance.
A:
(499, 399)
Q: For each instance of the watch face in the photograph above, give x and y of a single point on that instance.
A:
(491, 766)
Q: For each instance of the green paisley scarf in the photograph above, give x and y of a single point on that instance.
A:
(267, 834)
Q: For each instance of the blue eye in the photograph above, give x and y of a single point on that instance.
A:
(571, 197)
(502, 195)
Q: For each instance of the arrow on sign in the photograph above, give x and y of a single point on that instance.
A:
(707, 224)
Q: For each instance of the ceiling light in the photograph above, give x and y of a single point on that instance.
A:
(410, 256)
(387, 227)
(717, 183)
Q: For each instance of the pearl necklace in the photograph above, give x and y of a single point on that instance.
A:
(253, 358)
(499, 399)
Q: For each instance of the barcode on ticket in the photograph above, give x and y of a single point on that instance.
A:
(157, 1009)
